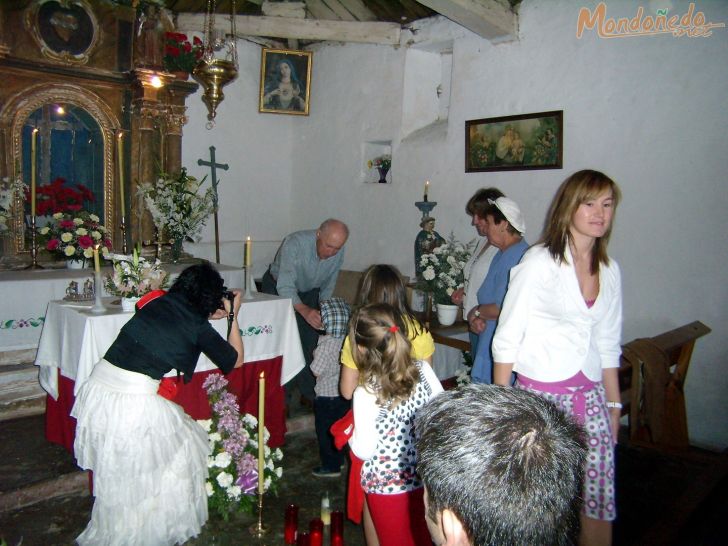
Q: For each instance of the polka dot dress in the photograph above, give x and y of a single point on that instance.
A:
(392, 470)
(598, 491)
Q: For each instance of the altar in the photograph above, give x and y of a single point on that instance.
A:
(25, 296)
(74, 340)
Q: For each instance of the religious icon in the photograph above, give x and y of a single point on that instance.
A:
(66, 30)
(285, 81)
(72, 289)
(427, 240)
(88, 288)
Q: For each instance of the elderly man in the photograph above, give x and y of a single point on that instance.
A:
(501, 466)
(305, 269)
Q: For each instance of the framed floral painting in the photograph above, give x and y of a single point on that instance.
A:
(285, 81)
(515, 143)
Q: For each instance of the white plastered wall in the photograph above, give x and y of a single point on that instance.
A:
(650, 111)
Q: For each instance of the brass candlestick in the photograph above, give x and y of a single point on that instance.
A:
(33, 245)
(259, 530)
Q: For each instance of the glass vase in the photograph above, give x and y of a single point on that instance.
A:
(176, 250)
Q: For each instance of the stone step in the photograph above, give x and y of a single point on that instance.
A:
(20, 392)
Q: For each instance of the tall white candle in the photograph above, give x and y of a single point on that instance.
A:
(261, 438)
(120, 166)
(33, 154)
(248, 252)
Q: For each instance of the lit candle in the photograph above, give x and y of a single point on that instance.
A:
(316, 536)
(97, 265)
(248, 252)
(427, 189)
(337, 528)
(120, 166)
(33, 138)
(261, 425)
(291, 524)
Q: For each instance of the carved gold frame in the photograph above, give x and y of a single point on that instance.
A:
(32, 26)
(14, 115)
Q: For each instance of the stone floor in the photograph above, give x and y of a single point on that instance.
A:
(662, 498)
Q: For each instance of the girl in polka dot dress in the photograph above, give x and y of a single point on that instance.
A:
(560, 328)
(392, 387)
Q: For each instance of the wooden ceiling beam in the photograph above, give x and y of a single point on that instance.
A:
(320, 10)
(490, 19)
(302, 29)
(338, 8)
(359, 10)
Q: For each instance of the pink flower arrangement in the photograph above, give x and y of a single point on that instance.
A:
(72, 236)
(233, 465)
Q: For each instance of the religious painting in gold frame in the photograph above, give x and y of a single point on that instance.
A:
(515, 143)
(285, 81)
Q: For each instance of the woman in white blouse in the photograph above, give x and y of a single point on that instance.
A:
(560, 328)
(477, 267)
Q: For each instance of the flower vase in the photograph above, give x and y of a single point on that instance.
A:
(181, 75)
(76, 264)
(176, 249)
(446, 314)
(382, 175)
(428, 308)
(127, 304)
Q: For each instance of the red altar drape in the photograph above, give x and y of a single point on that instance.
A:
(60, 427)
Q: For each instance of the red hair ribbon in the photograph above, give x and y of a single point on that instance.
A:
(394, 328)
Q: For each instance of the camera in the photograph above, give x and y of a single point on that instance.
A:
(227, 295)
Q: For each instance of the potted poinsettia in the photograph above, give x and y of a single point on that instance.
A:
(180, 55)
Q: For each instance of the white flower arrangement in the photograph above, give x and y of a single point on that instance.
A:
(176, 206)
(442, 269)
(133, 276)
(233, 464)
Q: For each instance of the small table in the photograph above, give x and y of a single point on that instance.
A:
(74, 340)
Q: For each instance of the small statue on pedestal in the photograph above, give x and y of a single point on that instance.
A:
(72, 290)
(88, 289)
(427, 240)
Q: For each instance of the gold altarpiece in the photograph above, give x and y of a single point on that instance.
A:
(94, 57)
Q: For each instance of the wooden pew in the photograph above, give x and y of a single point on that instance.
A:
(652, 375)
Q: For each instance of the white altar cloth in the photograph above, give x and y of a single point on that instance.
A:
(25, 296)
(74, 339)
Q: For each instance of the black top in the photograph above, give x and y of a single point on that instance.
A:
(167, 333)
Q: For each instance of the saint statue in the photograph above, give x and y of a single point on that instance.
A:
(427, 240)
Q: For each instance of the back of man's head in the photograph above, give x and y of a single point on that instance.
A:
(505, 462)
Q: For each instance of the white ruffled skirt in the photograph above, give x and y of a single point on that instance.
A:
(148, 457)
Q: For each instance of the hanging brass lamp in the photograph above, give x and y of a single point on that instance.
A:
(219, 63)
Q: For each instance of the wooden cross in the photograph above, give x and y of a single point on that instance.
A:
(213, 167)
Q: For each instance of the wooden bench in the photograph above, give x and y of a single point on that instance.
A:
(652, 376)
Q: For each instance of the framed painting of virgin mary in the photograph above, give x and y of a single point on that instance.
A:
(285, 81)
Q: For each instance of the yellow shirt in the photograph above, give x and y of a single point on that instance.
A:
(423, 345)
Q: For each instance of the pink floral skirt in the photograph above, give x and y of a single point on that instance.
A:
(586, 402)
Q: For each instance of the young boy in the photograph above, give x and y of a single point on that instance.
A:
(329, 406)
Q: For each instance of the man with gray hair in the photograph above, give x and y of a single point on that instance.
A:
(305, 269)
(501, 466)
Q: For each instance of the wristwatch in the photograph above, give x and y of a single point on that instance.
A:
(476, 313)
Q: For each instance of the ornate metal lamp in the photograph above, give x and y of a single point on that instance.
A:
(219, 63)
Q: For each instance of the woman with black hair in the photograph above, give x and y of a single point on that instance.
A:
(148, 457)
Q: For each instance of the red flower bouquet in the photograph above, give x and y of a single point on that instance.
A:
(179, 54)
(56, 197)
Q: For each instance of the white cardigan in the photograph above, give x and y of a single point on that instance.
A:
(546, 329)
